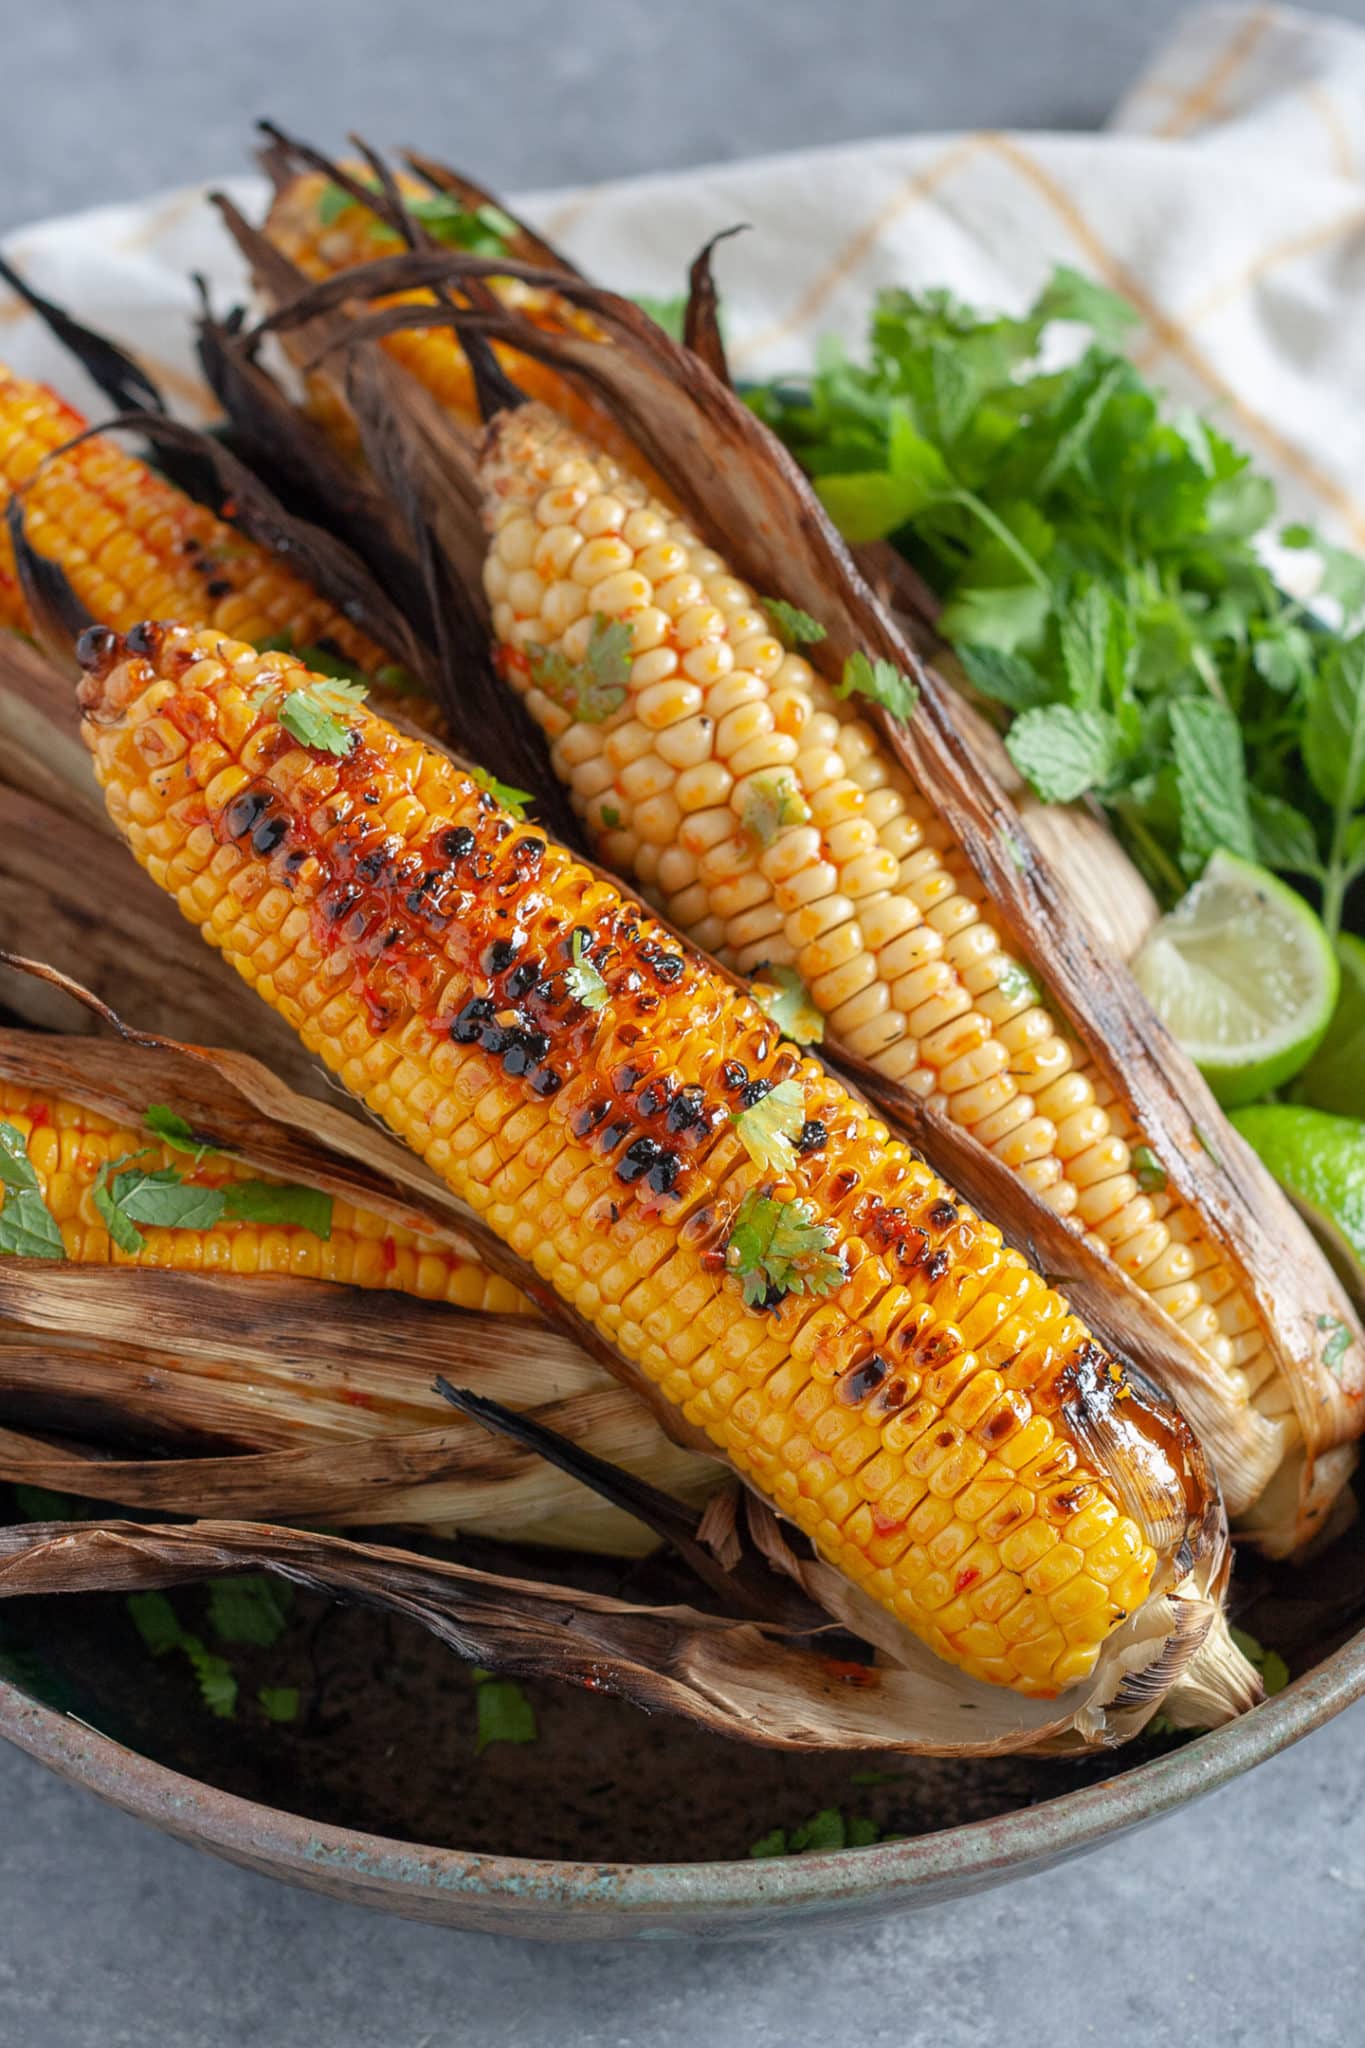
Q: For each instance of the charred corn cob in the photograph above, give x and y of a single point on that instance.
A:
(807, 1292)
(71, 1147)
(133, 546)
(762, 813)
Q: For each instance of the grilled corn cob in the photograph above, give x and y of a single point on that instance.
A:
(133, 546)
(760, 811)
(70, 1147)
(898, 1382)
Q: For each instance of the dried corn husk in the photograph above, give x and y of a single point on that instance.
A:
(746, 1679)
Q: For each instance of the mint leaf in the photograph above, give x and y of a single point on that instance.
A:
(1007, 678)
(1334, 727)
(259, 1201)
(880, 680)
(1284, 839)
(1211, 781)
(161, 1200)
(173, 1130)
(28, 1229)
(1084, 635)
(16, 1168)
(1063, 753)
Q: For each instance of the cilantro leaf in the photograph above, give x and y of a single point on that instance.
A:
(829, 1829)
(771, 803)
(1063, 753)
(782, 995)
(333, 201)
(217, 1680)
(781, 1247)
(173, 1130)
(766, 1129)
(319, 659)
(585, 984)
(793, 627)
(312, 715)
(260, 1201)
(592, 689)
(250, 1608)
(483, 230)
(503, 1711)
(880, 680)
(512, 800)
(279, 1702)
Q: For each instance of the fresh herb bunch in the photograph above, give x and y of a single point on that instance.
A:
(1102, 567)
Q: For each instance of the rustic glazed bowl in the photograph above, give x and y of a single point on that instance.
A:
(601, 1775)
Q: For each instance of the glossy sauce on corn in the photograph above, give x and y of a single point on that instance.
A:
(911, 1421)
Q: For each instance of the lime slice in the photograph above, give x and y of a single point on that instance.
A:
(1243, 976)
(1319, 1160)
(1335, 1076)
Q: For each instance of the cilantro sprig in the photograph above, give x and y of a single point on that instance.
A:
(768, 1128)
(592, 689)
(313, 714)
(771, 803)
(782, 995)
(483, 230)
(781, 1248)
(1101, 562)
(582, 979)
(513, 800)
(880, 680)
(829, 1829)
(793, 627)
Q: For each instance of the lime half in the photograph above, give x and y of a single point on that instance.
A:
(1335, 1076)
(1243, 976)
(1319, 1160)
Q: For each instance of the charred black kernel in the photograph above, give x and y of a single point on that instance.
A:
(523, 979)
(546, 1081)
(862, 1379)
(587, 1119)
(295, 858)
(812, 1135)
(500, 956)
(936, 1265)
(481, 867)
(470, 1021)
(664, 1173)
(653, 1098)
(942, 1214)
(372, 864)
(611, 1134)
(644, 1157)
(97, 648)
(369, 796)
(243, 812)
(667, 966)
(391, 936)
(422, 895)
(268, 833)
(733, 1075)
(773, 1297)
(751, 1095)
(687, 1109)
(628, 1077)
(142, 639)
(526, 1050)
(218, 586)
(529, 853)
(457, 842)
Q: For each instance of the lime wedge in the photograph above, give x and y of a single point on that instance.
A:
(1319, 1160)
(1243, 976)
(1335, 1076)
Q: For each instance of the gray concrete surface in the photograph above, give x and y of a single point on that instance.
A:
(1237, 1924)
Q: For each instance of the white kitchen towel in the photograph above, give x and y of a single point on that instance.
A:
(1226, 201)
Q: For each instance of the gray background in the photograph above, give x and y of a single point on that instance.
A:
(1238, 1922)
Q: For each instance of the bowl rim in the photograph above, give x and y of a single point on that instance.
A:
(403, 1875)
